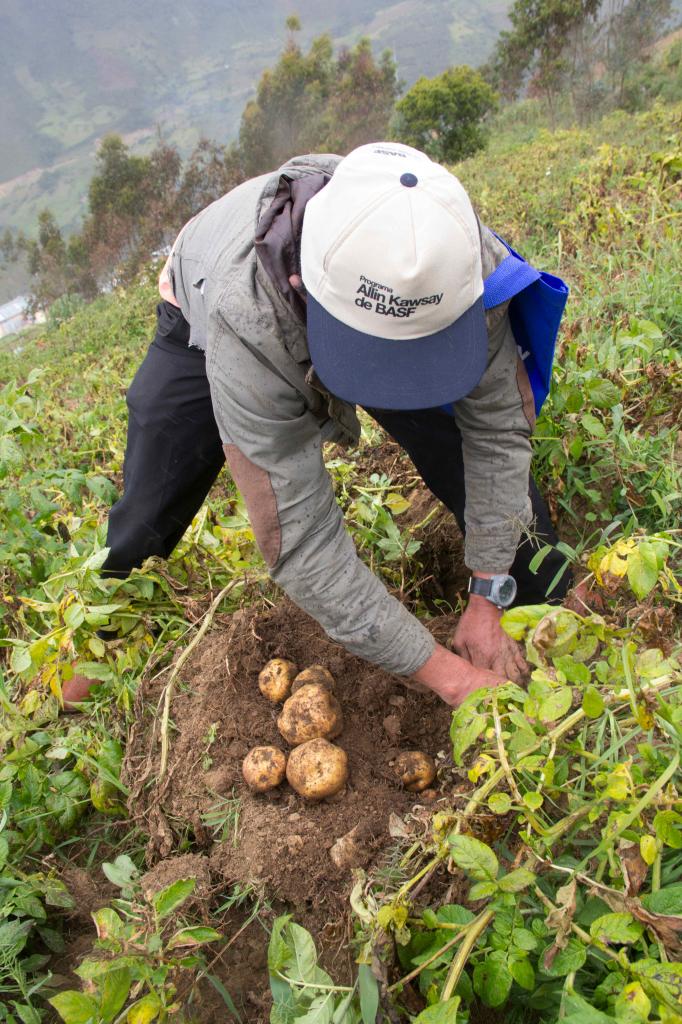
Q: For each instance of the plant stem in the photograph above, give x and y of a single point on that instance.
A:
(474, 932)
(170, 685)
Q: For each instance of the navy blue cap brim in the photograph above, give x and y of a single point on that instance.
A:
(421, 373)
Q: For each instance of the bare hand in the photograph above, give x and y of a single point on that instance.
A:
(480, 639)
(453, 678)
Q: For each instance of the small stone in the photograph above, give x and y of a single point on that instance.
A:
(391, 726)
(294, 843)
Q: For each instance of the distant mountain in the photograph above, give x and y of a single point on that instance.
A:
(72, 71)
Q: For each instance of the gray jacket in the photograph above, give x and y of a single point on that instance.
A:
(274, 416)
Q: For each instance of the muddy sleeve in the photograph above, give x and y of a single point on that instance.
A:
(274, 451)
(496, 421)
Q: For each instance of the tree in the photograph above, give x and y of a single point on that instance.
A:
(361, 102)
(536, 46)
(286, 115)
(316, 102)
(57, 266)
(632, 27)
(444, 116)
(211, 171)
(131, 204)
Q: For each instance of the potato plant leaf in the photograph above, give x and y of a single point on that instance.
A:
(172, 897)
(196, 936)
(467, 725)
(642, 570)
(74, 1007)
(474, 858)
(145, 1010)
(616, 929)
(440, 1013)
(114, 991)
(492, 981)
(570, 958)
(516, 880)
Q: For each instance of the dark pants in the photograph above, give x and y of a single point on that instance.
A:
(174, 454)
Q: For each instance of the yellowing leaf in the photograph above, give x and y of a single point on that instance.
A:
(145, 1010)
(648, 849)
(396, 503)
(617, 784)
(481, 766)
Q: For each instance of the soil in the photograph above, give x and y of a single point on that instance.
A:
(282, 843)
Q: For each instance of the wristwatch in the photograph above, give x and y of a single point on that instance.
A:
(499, 590)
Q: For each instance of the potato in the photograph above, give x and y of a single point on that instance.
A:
(317, 769)
(311, 713)
(264, 768)
(415, 770)
(314, 674)
(276, 678)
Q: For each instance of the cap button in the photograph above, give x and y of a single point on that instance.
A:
(408, 180)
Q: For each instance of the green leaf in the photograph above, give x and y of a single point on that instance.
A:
(304, 955)
(602, 393)
(481, 890)
(196, 936)
(27, 1014)
(524, 939)
(440, 1013)
(467, 725)
(665, 901)
(533, 800)
(516, 880)
(173, 896)
(523, 973)
(279, 950)
(556, 704)
(145, 1010)
(593, 702)
(474, 858)
(369, 994)
(643, 569)
(666, 827)
(320, 1011)
(114, 989)
(452, 913)
(578, 1011)
(109, 925)
(122, 872)
(664, 979)
(492, 982)
(576, 673)
(500, 803)
(570, 958)
(74, 1007)
(518, 622)
(618, 929)
(592, 425)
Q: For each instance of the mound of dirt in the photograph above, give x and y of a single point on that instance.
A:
(279, 842)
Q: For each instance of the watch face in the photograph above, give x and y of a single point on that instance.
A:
(506, 591)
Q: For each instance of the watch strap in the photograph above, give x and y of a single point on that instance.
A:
(479, 586)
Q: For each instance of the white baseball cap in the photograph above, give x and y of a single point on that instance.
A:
(391, 262)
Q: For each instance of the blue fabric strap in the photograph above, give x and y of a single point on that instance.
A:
(507, 280)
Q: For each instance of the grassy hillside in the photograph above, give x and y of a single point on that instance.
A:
(561, 804)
